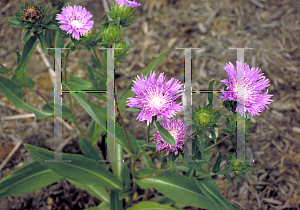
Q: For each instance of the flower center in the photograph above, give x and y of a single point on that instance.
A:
(173, 134)
(242, 89)
(156, 101)
(76, 24)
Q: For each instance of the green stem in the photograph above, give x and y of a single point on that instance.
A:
(65, 67)
(130, 147)
(209, 175)
(160, 172)
(215, 144)
(133, 161)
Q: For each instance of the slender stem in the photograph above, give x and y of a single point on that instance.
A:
(219, 109)
(216, 143)
(130, 147)
(44, 98)
(145, 147)
(133, 161)
(145, 195)
(65, 67)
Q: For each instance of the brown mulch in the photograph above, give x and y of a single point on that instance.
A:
(270, 27)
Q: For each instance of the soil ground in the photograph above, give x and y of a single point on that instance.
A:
(270, 27)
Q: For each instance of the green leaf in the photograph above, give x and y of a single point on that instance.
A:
(102, 206)
(18, 56)
(147, 159)
(66, 111)
(14, 94)
(24, 81)
(87, 149)
(115, 203)
(212, 191)
(175, 186)
(48, 17)
(4, 70)
(126, 177)
(134, 109)
(52, 26)
(164, 133)
(13, 21)
(216, 166)
(91, 76)
(59, 40)
(96, 191)
(96, 63)
(17, 13)
(95, 71)
(77, 83)
(80, 169)
(98, 95)
(210, 94)
(26, 53)
(147, 205)
(146, 72)
(100, 117)
(151, 144)
(42, 41)
(48, 38)
(27, 36)
(29, 177)
(94, 131)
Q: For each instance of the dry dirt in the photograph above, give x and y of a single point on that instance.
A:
(270, 27)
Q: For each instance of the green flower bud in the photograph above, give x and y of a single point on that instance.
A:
(111, 34)
(124, 13)
(204, 118)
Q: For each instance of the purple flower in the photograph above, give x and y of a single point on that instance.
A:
(155, 97)
(128, 3)
(75, 20)
(253, 84)
(178, 130)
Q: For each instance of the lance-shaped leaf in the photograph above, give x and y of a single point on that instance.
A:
(4, 70)
(15, 94)
(164, 133)
(80, 169)
(175, 186)
(147, 205)
(216, 166)
(87, 149)
(26, 53)
(29, 177)
(96, 191)
(210, 94)
(77, 83)
(211, 190)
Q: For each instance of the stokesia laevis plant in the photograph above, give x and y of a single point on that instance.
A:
(152, 98)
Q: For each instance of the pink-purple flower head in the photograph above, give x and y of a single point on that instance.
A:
(75, 20)
(250, 100)
(155, 97)
(128, 3)
(178, 129)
